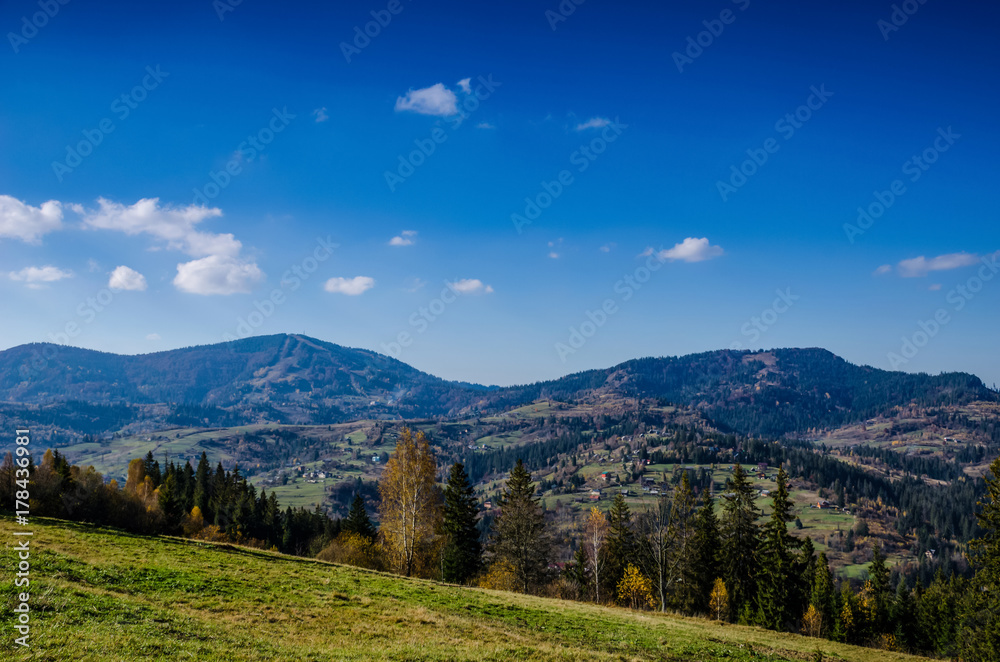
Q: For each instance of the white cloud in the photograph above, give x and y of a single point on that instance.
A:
(175, 225)
(153, 336)
(405, 238)
(555, 246)
(217, 274)
(593, 123)
(606, 248)
(415, 285)
(22, 221)
(921, 266)
(466, 85)
(124, 278)
(485, 125)
(219, 269)
(691, 250)
(35, 277)
(646, 253)
(434, 100)
(470, 286)
(935, 287)
(320, 114)
(352, 287)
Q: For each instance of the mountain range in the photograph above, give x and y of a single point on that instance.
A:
(296, 379)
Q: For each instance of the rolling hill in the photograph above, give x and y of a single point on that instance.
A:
(296, 379)
(127, 597)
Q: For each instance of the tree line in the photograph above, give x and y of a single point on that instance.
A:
(213, 504)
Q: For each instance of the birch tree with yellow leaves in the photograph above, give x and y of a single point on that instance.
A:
(410, 510)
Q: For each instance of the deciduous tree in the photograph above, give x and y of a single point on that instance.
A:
(410, 510)
(635, 589)
(594, 536)
(718, 603)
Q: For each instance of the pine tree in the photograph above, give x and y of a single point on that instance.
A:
(705, 554)
(203, 488)
(739, 544)
(682, 535)
(804, 572)
(621, 543)
(980, 633)
(877, 587)
(152, 469)
(357, 519)
(578, 572)
(170, 502)
(463, 551)
(776, 595)
(903, 617)
(519, 535)
(824, 594)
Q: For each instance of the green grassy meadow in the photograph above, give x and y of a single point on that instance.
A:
(100, 594)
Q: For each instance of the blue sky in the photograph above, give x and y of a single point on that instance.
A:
(626, 133)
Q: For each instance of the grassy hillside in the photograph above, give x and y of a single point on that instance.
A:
(98, 594)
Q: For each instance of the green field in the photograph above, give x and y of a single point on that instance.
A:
(300, 494)
(98, 594)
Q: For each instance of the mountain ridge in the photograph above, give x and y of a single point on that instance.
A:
(299, 379)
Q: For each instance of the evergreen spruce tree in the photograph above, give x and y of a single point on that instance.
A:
(739, 545)
(805, 572)
(705, 555)
(188, 483)
(152, 469)
(903, 617)
(823, 596)
(878, 590)
(170, 503)
(776, 594)
(682, 533)
(980, 633)
(578, 572)
(203, 488)
(462, 552)
(519, 536)
(620, 543)
(357, 519)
